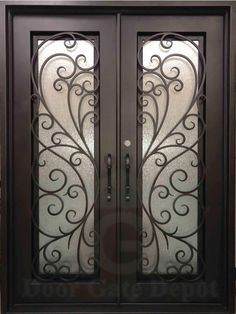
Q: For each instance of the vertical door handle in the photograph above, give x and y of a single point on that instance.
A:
(127, 184)
(109, 186)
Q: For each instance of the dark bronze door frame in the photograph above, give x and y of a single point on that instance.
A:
(119, 31)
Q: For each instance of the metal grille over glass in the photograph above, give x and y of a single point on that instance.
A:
(65, 126)
(171, 168)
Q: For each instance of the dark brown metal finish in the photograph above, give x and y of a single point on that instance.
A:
(131, 27)
(95, 290)
(118, 288)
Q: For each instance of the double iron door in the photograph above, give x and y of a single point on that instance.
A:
(118, 144)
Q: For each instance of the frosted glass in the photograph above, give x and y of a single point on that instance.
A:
(67, 235)
(160, 241)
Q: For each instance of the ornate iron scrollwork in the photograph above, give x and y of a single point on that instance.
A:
(154, 82)
(59, 139)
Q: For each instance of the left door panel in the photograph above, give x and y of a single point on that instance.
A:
(61, 111)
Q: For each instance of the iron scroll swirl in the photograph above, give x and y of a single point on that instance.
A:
(52, 196)
(176, 197)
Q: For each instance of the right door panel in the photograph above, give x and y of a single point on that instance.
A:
(172, 99)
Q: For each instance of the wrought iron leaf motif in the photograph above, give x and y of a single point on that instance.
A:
(168, 247)
(62, 154)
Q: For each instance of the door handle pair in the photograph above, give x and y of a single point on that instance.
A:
(127, 177)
